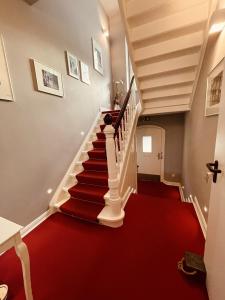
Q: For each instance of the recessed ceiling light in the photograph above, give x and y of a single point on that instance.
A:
(217, 21)
(215, 28)
(82, 133)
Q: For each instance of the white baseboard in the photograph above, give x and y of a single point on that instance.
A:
(171, 183)
(181, 194)
(27, 229)
(200, 216)
(178, 185)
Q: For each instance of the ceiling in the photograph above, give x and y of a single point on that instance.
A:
(111, 7)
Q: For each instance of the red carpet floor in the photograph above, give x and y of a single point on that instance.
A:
(75, 260)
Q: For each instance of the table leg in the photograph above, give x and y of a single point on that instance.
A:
(23, 254)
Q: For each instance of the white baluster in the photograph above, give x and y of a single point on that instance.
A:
(121, 145)
(117, 150)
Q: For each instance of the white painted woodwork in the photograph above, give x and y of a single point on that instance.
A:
(186, 18)
(215, 242)
(149, 163)
(169, 46)
(138, 7)
(165, 110)
(167, 102)
(168, 65)
(167, 80)
(10, 237)
(31, 2)
(175, 90)
(166, 40)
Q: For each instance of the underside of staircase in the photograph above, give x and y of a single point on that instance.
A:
(166, 40)
(87, 195)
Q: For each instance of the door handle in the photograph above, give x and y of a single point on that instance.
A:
(160, 155)
(213, 168)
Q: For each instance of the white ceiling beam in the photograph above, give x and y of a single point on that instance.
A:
(167, 80)
(166, 110)
(186, 18)
(167, 92)
(168, 65)
(173, 45)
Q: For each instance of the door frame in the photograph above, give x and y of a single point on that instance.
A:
(163, 147)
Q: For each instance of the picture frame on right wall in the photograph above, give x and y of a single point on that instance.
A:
(97, 57)
(215, 83)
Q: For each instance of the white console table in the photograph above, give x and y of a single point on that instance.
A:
(10, 237)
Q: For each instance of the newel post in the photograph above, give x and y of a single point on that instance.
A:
(113, 181)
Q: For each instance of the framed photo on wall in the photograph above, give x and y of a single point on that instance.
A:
(98, 57)
(73, 65)
(84, 69)
(48, 80)
(6, 92)
(215, 82)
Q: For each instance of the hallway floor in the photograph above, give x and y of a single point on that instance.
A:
(74, 260)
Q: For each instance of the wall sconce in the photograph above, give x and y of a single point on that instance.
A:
(217, 22)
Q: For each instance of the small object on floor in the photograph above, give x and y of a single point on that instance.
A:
(192, 265)
(3, 291)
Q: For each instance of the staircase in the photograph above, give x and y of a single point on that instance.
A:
(103, 174)
(166, 40)
(87, 196)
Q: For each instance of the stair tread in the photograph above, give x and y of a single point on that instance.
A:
(82, 209)
(97, 153)
(95, 161)
(89, 193)
(88, 189)
(94, 174)
(110, 112)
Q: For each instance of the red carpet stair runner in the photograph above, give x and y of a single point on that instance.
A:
(87, 196)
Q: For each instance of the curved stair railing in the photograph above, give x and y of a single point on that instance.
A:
(118, 135)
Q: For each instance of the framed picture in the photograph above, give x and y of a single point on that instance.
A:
(84, 69)
(73, 65)
(98, 57)
(6, 92)
(48, 80)
(215, 82)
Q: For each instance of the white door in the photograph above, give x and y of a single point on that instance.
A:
(149, 150)
(215, 239)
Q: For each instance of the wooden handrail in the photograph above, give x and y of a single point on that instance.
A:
(108, 117)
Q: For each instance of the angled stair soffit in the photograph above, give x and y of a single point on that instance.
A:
(166, 41)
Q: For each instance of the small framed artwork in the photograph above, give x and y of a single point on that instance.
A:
(48, 80)
(6, 92)
(73, 65)
(84, 69)
(215, 81)
(98, 57)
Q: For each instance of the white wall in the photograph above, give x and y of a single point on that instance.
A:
(118, 49)
(200, 131)
(40, 133)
